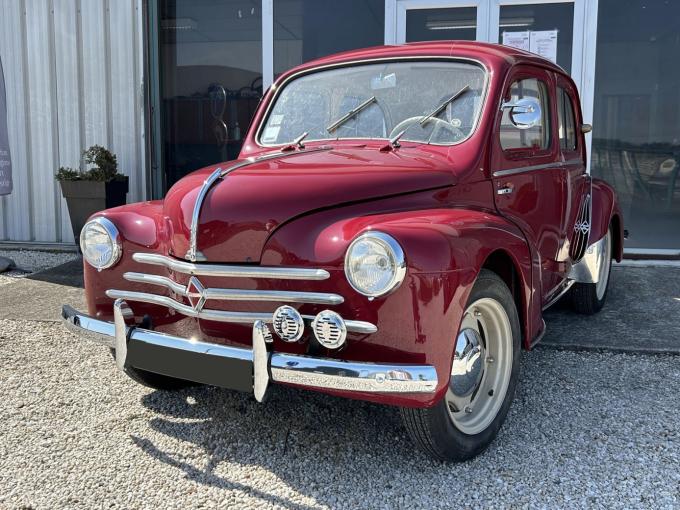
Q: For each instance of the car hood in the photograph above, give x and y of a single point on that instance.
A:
(242, 210)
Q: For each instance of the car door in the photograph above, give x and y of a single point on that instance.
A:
(576, 180)
(527, 172)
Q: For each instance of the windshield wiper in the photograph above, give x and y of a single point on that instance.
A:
(441, 107)
(297, 143)
(335, 125)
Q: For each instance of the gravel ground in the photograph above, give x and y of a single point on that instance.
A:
(586, 430)
(30, 261)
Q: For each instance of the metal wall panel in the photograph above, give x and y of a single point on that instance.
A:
(17, 207)
(74, 74)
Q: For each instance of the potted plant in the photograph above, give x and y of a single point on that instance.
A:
(98, 188)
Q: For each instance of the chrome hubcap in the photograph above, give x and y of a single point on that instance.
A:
(481, 368)
(466, 371)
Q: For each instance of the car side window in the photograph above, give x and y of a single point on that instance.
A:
(535, 137)
(566, 120)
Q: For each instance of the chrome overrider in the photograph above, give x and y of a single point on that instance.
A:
(322, 373)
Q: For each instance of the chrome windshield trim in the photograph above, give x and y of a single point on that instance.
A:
(277, 273)
(322, 298)
(531, 168)
(221, 315)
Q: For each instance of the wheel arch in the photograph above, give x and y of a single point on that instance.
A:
(605, 213)
(501, 262)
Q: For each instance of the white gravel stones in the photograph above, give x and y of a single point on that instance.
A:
(586, 430)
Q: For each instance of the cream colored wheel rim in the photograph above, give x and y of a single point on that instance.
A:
(605, 263)
(482, 367)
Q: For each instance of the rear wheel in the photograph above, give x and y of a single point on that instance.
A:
(484, 375)
(155, 381)
(589, 298)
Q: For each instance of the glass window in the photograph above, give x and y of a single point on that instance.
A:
(566, 120)
(636, 120)
(391, 97)
(536, 137)
(309, 29)
(538, 17)
(440, 24)
(210, 55)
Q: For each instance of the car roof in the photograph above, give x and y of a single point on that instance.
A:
(495, 57)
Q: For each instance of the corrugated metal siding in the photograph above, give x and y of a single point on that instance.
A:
(73, 73)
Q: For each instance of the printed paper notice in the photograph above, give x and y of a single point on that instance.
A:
(544, 43)
(518, 40)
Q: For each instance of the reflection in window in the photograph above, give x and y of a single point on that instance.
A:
(441, 24)
(535, 137)
(396, 96)
(566, 121)
(636, 121)
(309, 29)
(210, 56)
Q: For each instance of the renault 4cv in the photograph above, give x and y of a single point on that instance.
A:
(396, 223)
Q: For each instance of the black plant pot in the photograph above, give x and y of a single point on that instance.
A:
(84, 198)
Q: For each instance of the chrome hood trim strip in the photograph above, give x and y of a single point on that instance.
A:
(277, 273)
(193, 254)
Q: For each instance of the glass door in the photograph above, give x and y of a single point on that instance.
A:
(543, 27)
(441, 20)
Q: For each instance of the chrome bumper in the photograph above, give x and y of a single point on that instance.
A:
(222, 365)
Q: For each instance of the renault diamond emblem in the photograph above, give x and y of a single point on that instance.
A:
(196, 294)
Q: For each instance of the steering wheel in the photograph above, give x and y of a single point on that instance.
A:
(441, 127)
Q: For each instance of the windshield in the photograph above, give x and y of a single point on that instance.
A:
(380, 101)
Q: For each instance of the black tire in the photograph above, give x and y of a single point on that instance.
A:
(155, 381)
(584, 296)
(433, 429)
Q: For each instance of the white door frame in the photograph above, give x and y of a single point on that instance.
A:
(584, 37)
(401, 7)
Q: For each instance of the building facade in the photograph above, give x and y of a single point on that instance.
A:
(171, 85)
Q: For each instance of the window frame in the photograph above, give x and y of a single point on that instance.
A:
(521, 152)
(289, 77)
(563, 99)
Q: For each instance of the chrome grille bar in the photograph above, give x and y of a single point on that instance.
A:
(283, 296)
(277, 273)
(221, 315)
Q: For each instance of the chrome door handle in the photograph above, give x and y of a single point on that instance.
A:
(505, 190)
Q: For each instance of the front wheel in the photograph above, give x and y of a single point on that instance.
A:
(483, 379)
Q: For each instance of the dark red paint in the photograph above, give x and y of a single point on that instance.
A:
(439, 202)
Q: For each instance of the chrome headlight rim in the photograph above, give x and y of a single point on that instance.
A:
(114, 236)
(397, 254)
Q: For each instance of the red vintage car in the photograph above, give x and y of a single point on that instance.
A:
(397, 221)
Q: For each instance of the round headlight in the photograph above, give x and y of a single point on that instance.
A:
(100, 243)
(375, 264)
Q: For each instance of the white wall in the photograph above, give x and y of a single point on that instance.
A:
(74, 78)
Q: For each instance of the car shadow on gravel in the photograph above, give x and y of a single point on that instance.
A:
(299, 436)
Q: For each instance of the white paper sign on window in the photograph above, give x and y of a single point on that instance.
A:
(518, 40)
(541, 42)
(544, 43)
